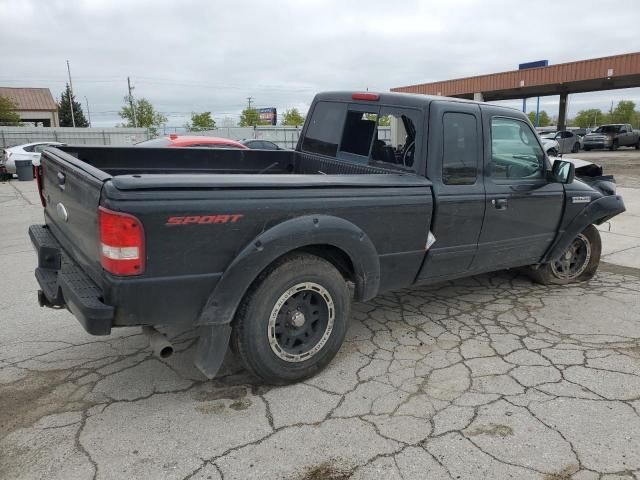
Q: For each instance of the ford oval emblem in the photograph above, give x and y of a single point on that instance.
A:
(62, 212)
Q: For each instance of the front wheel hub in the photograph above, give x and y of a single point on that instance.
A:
(574, 261)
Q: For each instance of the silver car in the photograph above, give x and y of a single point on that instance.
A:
(568, 141)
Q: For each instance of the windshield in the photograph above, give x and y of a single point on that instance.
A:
(607, 129)
(156, 142)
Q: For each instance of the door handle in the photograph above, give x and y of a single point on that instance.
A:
(61, 180)
(500, 203)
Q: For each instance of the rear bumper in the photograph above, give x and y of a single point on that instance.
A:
(65, 284)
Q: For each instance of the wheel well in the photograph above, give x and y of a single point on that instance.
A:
(335, 256)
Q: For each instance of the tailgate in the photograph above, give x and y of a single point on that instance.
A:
(71, 189)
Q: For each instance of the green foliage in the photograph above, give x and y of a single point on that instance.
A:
(249, 117)
(624, 112)
(145, 115)
(64, 110)
(292, 118)
(200, 122)
(384, 121)
(589, 118)
(8, 115)
(543, 119)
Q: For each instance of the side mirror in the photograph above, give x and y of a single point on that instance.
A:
(563, 172)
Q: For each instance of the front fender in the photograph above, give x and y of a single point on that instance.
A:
(281, 239)
(597, 212)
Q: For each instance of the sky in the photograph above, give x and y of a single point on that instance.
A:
(198, 55)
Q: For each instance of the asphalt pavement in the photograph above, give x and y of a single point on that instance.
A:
(487, 377)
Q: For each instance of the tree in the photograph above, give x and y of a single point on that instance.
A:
(624, 112)
(145, 115)
(200, 122)
(249, 117)
(384, 121)
(589, 118)
(64, 110)
(292, 118)
(8, 115)
(543, 119)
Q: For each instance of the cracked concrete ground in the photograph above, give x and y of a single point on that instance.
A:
(487, 377)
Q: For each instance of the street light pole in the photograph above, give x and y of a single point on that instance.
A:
(88, 111)
(73, 120)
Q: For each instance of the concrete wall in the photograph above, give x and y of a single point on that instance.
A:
(10, 136)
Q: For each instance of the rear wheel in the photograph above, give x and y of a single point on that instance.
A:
(293, 320)
(552, 152)
(638, 145)
(578, 263)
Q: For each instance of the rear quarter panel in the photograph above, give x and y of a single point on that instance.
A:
(396, 220)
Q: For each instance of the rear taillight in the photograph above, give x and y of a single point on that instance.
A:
(39, 181)
(121, 243)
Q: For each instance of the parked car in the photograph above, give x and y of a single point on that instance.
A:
(551, 146)
(174, 140)
(28, 151)
(612, 136)
(265, 250)
(257, 144)
(568, 141)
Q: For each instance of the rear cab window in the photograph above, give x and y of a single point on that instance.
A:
(379, 135)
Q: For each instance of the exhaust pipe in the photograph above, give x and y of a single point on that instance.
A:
(161, 346)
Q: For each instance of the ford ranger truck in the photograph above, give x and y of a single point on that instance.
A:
(264, 251)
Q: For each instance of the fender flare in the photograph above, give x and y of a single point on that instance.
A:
(597, 212)
(281, 239)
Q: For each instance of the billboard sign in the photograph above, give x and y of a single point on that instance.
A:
(268, 116)
(536, 64)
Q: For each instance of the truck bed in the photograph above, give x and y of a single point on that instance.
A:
(116, 161)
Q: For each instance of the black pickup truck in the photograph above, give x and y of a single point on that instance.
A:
(265, 250)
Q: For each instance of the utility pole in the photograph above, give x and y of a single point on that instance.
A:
(249, 99)
(88, 111)
(131, 104)
(73, 120)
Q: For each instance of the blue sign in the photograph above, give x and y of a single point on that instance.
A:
(268, 116)
(536, 64)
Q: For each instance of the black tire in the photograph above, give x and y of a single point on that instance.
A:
(552, 152)
(273, 356)
(614, 145)
(551, 274)
(638, 145)
(586, 149)
(576, 147)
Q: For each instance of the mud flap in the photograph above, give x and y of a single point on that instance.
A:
(212, 346)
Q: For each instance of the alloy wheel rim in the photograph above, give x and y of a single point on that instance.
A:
(301, 322)
(573, 262)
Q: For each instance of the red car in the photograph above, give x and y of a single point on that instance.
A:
(174, 140)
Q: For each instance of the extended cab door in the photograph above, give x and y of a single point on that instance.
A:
(523, 209)
(454, 165)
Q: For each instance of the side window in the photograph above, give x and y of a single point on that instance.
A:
(325, 128)
(29, 148)
(395, 137)
(515, 151)
(460, 149)
(358, 133)
(40, 148)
